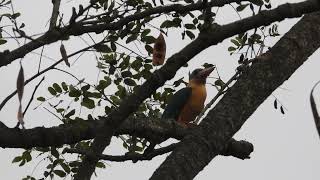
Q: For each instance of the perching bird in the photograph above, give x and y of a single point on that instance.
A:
(188, 102)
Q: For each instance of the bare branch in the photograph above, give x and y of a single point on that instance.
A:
(237, 149)
(55, 13)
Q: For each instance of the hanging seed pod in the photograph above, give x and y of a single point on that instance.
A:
(159, 51)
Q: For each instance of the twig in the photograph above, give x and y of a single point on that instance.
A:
(32, 96)
(134, 156)
(41, 72)
(220, 92)
(40, 60)
(314, 109)
(55, 13)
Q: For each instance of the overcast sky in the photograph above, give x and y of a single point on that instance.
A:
(286, 146)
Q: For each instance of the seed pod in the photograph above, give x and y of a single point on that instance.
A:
(159, 51)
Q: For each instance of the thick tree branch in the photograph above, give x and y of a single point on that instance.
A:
(216, 35)
(238, 149)
(79, 28)
(199, 147)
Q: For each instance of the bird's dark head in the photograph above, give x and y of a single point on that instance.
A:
(200, 75)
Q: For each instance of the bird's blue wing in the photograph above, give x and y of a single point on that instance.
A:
(176, 103)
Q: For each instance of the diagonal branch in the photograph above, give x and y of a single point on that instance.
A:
(253, 87)
(79, 28)
(175, 62)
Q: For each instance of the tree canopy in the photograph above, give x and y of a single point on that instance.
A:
(126, 42)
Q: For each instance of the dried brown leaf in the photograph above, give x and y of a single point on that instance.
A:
(159, 51)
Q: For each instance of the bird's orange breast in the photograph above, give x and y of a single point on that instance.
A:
(194, 104)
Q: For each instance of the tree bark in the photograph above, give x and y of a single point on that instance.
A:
(265, 75)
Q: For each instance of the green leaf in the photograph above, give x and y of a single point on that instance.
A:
(219, 82)
(42, 99)
(100, 165)
(281, 109)
(113, 46)
(148, 39)
(103, 84)
(145, 32)
(27, 156)
(235, 42)
(71, 113)
(64, 86)
(125, 74)
(190, 34)
(17, 159)
(60, 173)
(241, 7)
(231, 49)
(190, 26)
(15, 15)
(102, 48)
(166, 24)
(54, 152)
(22, 162)
(2, 41)
(88, 103)
(74, 92)
(60, 110)
(129, 82)
(115, 99)
(148, 48)
(65, 167)
(131, 38)
(85, 88)
(57, 88)
(52, 91)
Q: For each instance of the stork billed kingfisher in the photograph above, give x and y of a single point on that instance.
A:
(188, 102)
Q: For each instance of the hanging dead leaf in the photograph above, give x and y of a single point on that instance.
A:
(159, 51)
(64, 55)
(20, 89)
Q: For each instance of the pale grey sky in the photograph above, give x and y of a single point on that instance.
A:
(286, 146)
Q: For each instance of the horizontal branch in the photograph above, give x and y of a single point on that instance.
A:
(237, 149)
(128, 157)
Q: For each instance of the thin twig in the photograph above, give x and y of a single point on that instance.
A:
(220, 92)
(55, 13)
(134, 157)
(41, 72)
(32, 96)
